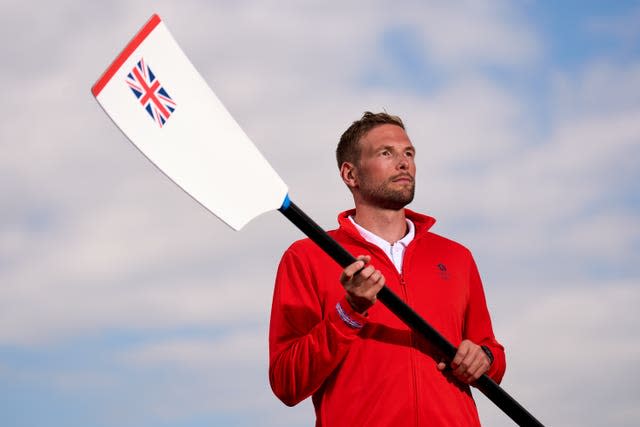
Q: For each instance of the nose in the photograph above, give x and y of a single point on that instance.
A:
(403, 163)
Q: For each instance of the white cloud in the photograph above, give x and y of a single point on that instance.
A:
(603, 87)
(214, 374)
(477, 32)
(562, 193)
(569, 352)
(201, 355)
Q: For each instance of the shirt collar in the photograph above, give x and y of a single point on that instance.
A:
(379, 241)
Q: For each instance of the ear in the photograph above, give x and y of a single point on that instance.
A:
(348, 174)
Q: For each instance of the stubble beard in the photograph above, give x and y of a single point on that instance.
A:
(389, 198)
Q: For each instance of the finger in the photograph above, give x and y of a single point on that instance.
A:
(473, 375)
(461, 370)
(468, 363)
(461, 354)
(352, 269)
(375, 276)
(479, 368)
(478, 365)
(380, 282)
(377, 284)
(365, 274)
(467, 373)
(365, 258)
(355, 268)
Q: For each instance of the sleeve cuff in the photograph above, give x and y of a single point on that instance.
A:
(346, 318)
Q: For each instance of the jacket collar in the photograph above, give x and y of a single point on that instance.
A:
(422, 223)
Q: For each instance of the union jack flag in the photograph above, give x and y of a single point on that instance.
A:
(152, 96)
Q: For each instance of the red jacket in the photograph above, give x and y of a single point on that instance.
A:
(381, 374)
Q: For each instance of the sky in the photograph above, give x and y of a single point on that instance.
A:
(125, 303)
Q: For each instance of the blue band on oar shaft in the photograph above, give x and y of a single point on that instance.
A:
(285, 204)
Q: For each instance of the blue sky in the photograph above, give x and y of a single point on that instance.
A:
(123, 303)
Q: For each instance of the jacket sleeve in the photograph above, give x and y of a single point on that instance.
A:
(307, 340)
(478, 327)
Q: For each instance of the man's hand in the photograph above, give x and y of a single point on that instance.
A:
(362, 283)
(469, 363)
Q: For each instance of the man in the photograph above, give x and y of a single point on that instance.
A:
(360, 364)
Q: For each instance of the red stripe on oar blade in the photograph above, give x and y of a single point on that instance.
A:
(125, 54)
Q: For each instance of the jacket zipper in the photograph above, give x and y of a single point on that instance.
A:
(405, 295)
(412, 356)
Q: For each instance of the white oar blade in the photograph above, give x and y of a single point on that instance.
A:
(161, 103)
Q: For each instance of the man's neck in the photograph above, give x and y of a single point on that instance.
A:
(389, 224)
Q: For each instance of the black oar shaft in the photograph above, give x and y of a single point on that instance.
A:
(397, 306)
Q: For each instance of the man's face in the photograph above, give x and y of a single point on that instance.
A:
(385, 173)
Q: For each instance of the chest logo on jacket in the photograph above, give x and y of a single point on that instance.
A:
(444, 274)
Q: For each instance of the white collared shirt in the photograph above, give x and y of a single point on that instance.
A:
(395, 251)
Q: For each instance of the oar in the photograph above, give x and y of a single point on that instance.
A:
(158, 99)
